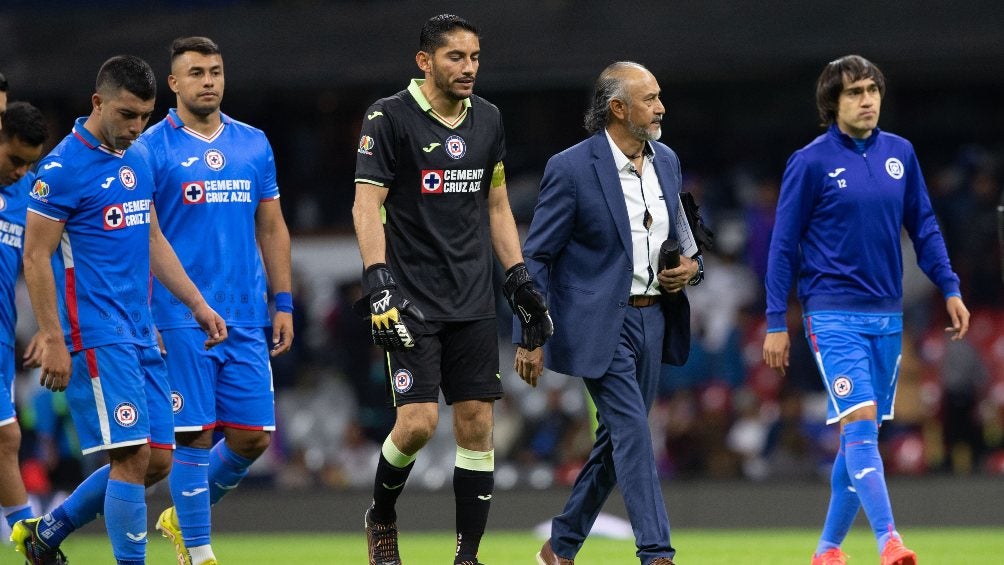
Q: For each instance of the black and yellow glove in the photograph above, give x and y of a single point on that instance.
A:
(387, 309)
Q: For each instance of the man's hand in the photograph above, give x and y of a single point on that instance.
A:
(211, 323)
(675, 279)
(387, 309)
(282, 333)
(959, 315)
(33, 353)
(54, 359)
(528, 305)
(529, 364)
(776, 347)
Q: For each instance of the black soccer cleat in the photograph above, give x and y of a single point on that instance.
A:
(381, 541)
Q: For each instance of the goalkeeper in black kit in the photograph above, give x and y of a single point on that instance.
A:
(431, 157)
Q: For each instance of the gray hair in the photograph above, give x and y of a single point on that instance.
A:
(609, 86)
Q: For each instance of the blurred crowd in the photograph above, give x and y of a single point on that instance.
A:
(722, 415)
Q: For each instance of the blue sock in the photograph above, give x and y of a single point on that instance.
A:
(226, 469)
(864, 465)
(844, 505)
(84, 504)
(189, 480)
(125, 520)
(15, 514)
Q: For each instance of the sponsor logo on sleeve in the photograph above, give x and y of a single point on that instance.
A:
(40, 190)
(366, 144)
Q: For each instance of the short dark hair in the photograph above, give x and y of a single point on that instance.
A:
(831, 83)
(434, 31)
(3, 83)
(609, 86)
(127, 72)
(25, 122)
(196, 43)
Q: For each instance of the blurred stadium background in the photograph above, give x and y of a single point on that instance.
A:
(738, 83)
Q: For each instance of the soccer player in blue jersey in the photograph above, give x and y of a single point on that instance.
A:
(20, 146)
(218, 204)
(91, 242)
(844, 199)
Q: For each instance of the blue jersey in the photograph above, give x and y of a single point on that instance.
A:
(839, 218)
(207, 192)
(102, 263)
(13, 204)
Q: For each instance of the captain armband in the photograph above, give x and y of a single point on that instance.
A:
(498, 175)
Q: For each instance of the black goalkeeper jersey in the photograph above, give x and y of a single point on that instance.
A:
(438, 235)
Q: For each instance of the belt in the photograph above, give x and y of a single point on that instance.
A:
(643, 300)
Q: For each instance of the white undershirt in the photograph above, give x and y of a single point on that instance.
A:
(645, 243)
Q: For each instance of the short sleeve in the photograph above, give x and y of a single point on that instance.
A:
(375, 155)
(54, 194)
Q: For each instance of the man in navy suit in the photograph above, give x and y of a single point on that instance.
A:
(606, 205)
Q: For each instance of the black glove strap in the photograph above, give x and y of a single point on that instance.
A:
(515, 277)
(377, 277)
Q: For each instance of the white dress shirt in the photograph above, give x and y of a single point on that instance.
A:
(643, 192)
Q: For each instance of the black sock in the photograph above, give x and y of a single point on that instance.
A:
(386, 488)
(473, 491)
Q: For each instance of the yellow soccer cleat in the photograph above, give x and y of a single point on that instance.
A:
(168, 527)
(28, 542)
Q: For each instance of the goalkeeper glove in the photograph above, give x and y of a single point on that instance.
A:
(528, 305)
(386, 308)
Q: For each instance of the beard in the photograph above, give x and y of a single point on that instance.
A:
(444, 85)
(643, 133)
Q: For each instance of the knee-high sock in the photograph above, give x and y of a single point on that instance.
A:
(473, 483)
(226, 469)
(84, 504)
(14, 514)
(844, 504)
(864, 465)
(189, 480)
(125, 520)
(392, 472)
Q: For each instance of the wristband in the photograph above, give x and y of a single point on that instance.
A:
(284, 302)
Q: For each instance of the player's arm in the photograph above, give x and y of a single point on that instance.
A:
(41, 238)
(273, 238)
(167, 268)
(525, 300)
(368, 222)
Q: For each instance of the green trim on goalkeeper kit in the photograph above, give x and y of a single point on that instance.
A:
(475, 460)
(395, 456)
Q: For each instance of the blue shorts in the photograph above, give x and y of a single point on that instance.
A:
(230, 385)
(858, 357)
(7, 414)
(118, 396)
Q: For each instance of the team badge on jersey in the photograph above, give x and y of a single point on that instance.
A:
(127, 177)
(432, 182)
(842, 386)
(894, 167)
(177, 401)
(126, 414)
(3, 202)
(214, 159)
(114, 218)
(193, 192)
(455, 146)
(39, 190)
(366, 143)
(403, 381)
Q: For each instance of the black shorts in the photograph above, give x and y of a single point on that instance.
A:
(459, 358)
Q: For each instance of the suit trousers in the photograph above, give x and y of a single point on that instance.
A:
(622, 454)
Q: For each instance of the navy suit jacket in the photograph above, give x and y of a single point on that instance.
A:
(579, 253)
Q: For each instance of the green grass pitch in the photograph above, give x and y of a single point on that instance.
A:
(941, 546)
